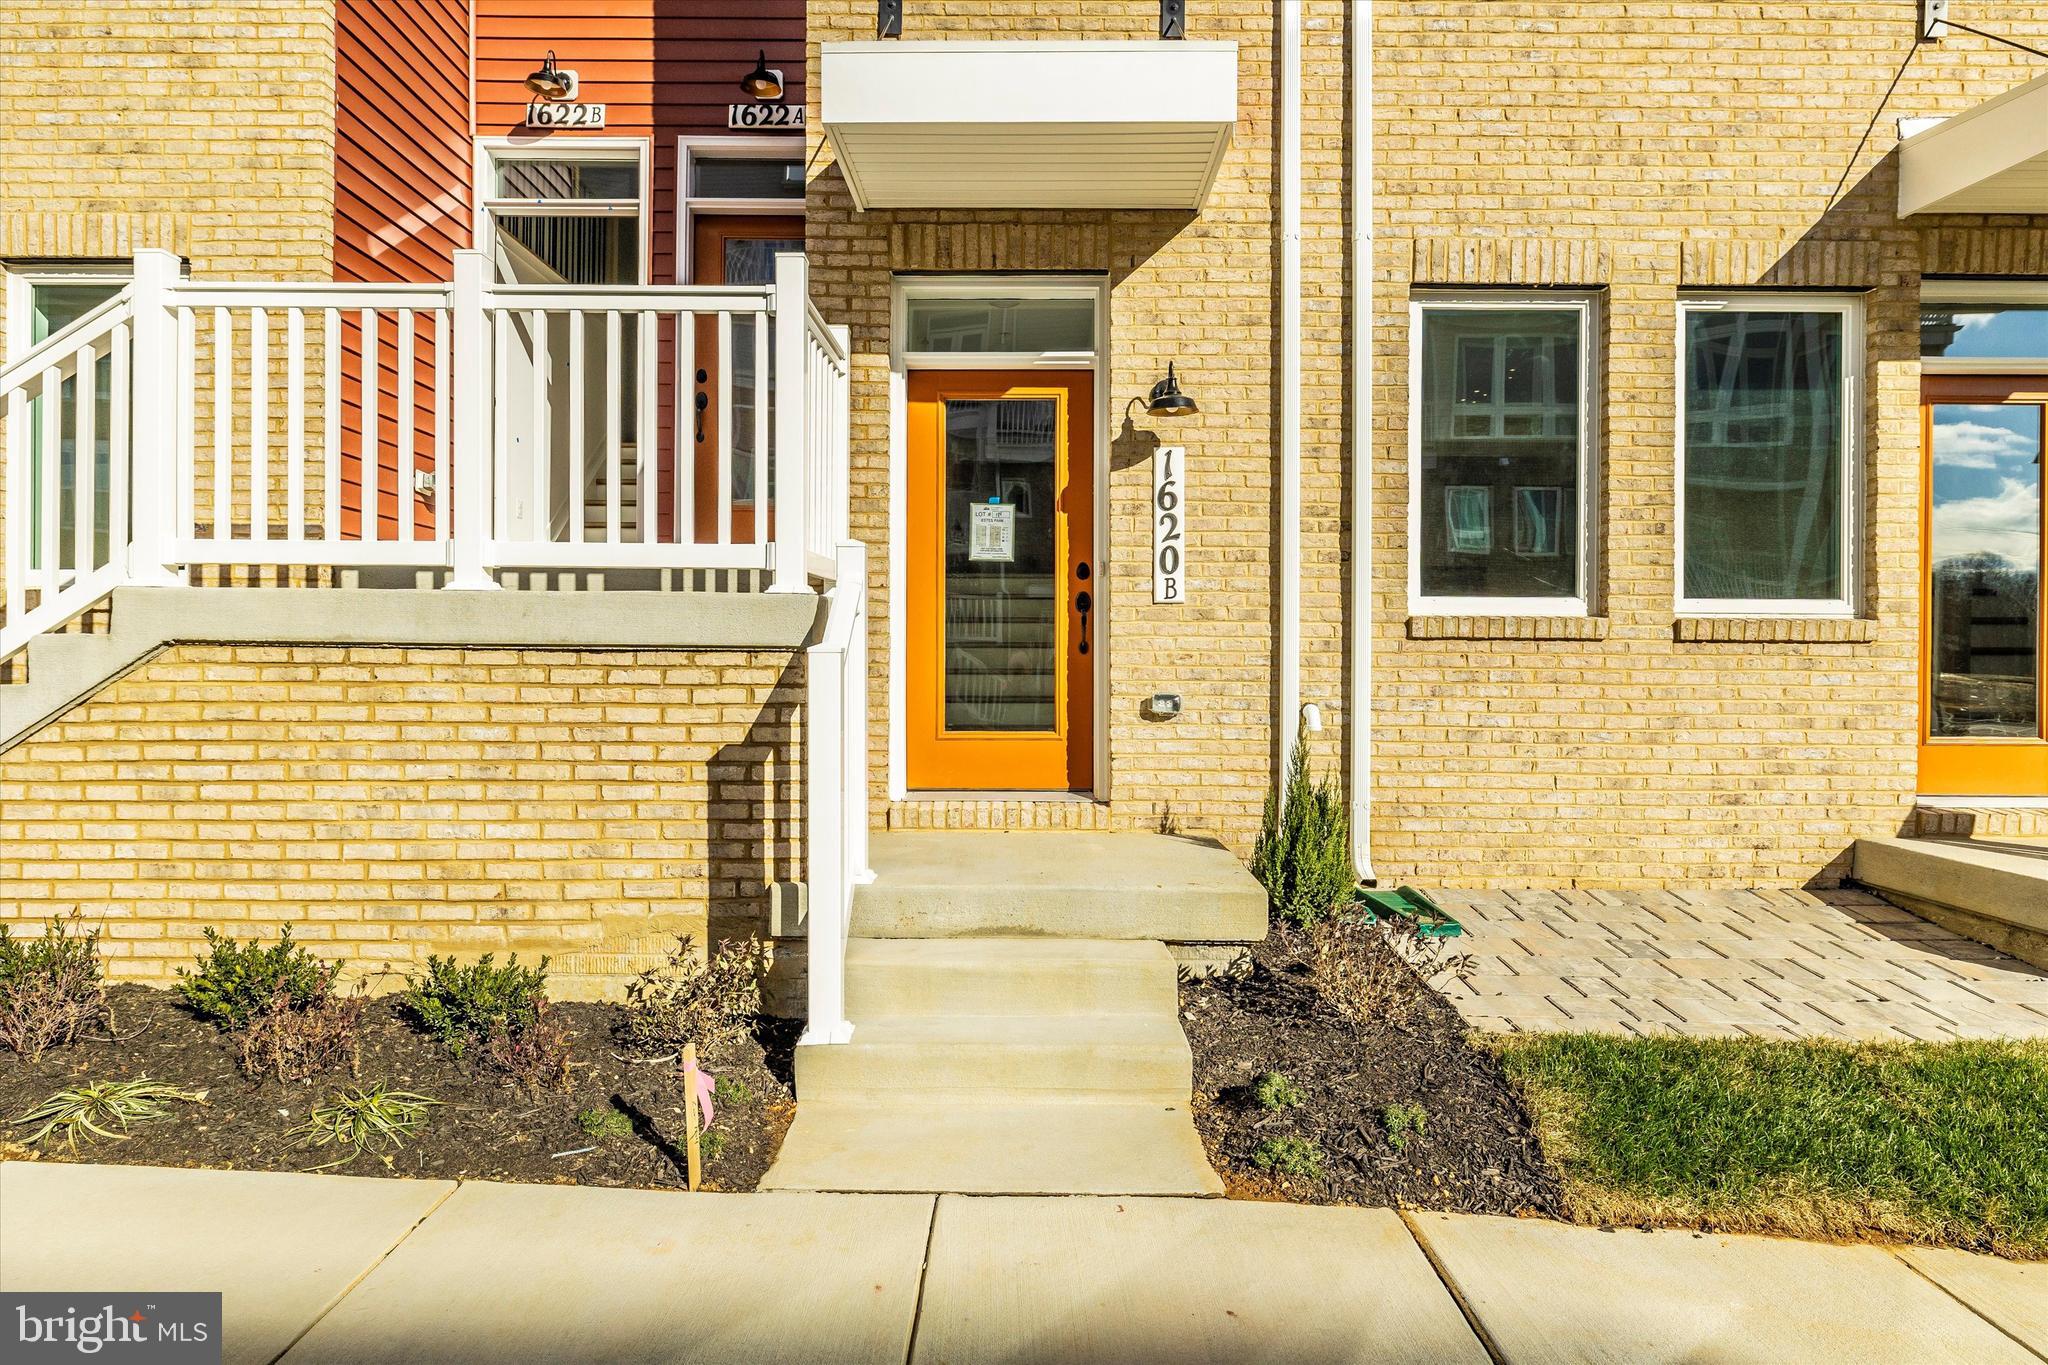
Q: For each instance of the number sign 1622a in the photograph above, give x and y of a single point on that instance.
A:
(1169, 524)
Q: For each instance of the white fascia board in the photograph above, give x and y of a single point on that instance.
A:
(1964, 157)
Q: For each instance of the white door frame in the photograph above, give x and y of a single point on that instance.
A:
(903, 288)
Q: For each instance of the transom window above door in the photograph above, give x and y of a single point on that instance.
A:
(1501, 456)
(567, 213)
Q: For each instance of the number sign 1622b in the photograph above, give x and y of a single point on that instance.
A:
(1169, 524)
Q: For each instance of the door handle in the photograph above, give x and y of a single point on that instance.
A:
(703, 402)
(1082, 602)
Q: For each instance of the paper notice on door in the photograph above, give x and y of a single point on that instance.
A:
(993, 533)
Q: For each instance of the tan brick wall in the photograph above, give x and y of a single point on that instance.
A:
(1198, 292)
(388, 803)
(1646, 147)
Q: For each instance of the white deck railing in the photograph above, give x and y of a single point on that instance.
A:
(836, 794)
(465, 426)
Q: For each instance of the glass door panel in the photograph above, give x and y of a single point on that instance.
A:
(1002, 565)
(52, 308)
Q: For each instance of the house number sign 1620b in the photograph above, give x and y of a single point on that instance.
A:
(1169, 524)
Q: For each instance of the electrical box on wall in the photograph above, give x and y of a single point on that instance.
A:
(1932, 12)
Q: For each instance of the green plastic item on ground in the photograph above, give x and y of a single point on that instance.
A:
(1408, 904)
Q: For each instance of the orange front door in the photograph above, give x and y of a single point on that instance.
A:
(1982, 643)
(738, 248)
(1004, 605)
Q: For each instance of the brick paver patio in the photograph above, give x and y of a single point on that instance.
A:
(1770, 964)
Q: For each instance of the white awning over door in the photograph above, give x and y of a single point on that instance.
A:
(1086, 125)
(1990, 159)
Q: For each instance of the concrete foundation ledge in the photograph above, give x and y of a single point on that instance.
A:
(1993, 891)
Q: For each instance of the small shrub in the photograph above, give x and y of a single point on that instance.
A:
(361, 1119)
(1364, 972)
(51, 988)
(604, 1124)
(99, 1107)
(465, 1006)
(1400, 1120)
(731, 1090)
(1289, 1156)
(533, 1055)
(294, 1041)
(709, 1144)
(1274, 1091)
(708, 1003)
(1303, 854)
(235, 981)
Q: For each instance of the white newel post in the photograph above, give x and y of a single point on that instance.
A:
(153, 411)
(470, 489)
(792, 568)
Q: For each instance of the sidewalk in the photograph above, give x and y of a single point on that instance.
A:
(362, 1271)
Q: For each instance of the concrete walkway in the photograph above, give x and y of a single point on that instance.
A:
(332, 1269)
(1767, 964)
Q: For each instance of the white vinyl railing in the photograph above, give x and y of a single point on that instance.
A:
(467, 426)
(836, 793)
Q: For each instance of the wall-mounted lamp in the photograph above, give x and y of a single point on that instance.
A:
(762, 82)
(550, 82)
(1167, 400)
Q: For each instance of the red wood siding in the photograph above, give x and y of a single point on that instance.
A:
(402, 207)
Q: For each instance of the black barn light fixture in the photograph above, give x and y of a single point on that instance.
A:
(550, 83)
(762, 82)
(1167, 400)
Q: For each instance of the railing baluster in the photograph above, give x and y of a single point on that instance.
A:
(371, 463)
(612, 391)
(542, 516)
(647, 429)
(443, 419)
(50, 398)
(684, 457)
(295, 424)
(579, 464)
(186, 478)
(259, 424)
(119, 470)
(84, 456)
(18, 459)
(501, 400)
(762, 422)
(408, 447)
(724, 354)
(330, 423)
(223, 423)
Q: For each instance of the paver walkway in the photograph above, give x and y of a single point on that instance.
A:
(375, 1272)
(1768, 964)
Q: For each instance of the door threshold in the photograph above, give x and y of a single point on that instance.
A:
(1982, 802)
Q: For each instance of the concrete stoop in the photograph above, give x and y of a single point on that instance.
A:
(1016, 1018)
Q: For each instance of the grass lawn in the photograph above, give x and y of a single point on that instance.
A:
(1942, 1142)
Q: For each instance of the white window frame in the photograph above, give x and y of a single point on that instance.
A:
(1941, 292)
(24, 276)
(1584, 304)
(491, 152)
(902, 289)
(690, 151)
(1848, 307)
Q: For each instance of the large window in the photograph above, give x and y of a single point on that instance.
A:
(1502, 459)
(1766, 454)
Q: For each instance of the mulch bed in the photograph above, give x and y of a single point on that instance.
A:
(483, 1128)
(1477, 1152)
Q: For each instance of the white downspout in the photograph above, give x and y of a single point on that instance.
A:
(1359, 708)
(1290, 380)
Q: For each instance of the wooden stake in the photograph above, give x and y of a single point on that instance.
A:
(690, 1142)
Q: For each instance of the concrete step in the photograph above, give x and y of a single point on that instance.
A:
(898, 978)
(1991, 890)
(1057, 883)
(1002, 1059)
(1043, 1148)
(62, 668)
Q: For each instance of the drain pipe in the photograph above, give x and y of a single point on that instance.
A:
(1290, 382)
(1359, 710)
